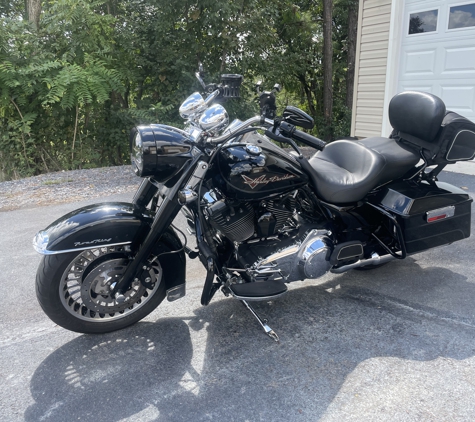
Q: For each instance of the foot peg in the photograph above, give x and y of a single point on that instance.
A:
(261, 290)
(269, 331)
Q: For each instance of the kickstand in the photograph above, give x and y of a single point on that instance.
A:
(269, 331)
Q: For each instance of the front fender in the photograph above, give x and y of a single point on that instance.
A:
(106, 224)
(113, 224)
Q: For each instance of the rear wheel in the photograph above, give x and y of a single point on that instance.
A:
(74, 290)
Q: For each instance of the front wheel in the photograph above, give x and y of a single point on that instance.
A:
(74, 290)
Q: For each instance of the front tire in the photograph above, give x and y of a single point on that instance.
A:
(73, 290)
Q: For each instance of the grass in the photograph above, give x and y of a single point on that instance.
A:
(57, 182)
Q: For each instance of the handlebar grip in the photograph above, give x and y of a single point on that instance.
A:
(309, 140)
(289, 130)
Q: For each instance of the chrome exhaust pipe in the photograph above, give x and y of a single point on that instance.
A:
(374, 260)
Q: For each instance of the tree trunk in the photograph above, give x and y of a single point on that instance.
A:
(327, 67)
(33, 11)
(352, 32)
(308, 95)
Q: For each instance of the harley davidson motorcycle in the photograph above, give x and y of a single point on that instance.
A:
(262, 217)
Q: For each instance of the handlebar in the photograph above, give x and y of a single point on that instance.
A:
(290, 131)
(286, 129)
(211, 97)
(242, 126)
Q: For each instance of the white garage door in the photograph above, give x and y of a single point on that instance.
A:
(438, 52)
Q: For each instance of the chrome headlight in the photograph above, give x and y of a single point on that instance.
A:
(136, 153)
(142, 150)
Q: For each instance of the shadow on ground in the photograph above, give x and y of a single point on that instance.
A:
(217, 365)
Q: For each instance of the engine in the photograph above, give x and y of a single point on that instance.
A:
(239, 221)
(270, 243)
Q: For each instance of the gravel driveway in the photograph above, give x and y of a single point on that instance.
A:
(73, 185)
(67, 186)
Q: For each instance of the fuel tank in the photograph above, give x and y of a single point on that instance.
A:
(253, 168)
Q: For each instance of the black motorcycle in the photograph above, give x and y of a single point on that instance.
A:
(262, 217)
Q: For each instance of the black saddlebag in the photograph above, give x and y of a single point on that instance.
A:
(429, 215)
(456, 139)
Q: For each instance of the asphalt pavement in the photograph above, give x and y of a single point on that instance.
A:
(391, 344)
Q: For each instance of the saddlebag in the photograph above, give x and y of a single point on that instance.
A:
(428, 215)
(456, 139)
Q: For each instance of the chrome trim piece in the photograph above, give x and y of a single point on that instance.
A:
(186, 196)
(253, 149)
(211, 97)
(193, 105)
(214, 119)
(247, 123)
(453, 143)
(47, 252)
(40, 242)
(234, 124)
(257, 299)
(269, 331)
(374, 260)
(307, 257)
(176, 292)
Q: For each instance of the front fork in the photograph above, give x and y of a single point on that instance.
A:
(164, 216)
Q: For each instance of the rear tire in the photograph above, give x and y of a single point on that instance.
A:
(72, 289)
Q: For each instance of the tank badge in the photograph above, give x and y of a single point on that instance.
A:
(263, 180)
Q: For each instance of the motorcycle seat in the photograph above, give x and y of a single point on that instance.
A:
(345, 171)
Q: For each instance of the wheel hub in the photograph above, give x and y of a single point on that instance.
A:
(106, 275)
(86, 292)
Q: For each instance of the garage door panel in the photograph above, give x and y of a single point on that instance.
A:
(460, 99)
(441, 61)
(416, 87)
(459, 61)
(420, 62)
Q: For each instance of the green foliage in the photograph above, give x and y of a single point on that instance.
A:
(71, 90)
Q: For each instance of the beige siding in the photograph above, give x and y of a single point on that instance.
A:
(370, 68)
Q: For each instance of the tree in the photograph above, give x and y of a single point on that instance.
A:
(33, 11)
(328, 66)
(71, 89)
(352, 35)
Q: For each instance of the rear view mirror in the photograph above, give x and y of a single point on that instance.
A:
(297, 117)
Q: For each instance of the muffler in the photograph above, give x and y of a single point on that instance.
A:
(374, 260)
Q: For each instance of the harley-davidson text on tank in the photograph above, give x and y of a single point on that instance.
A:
(264, 180)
